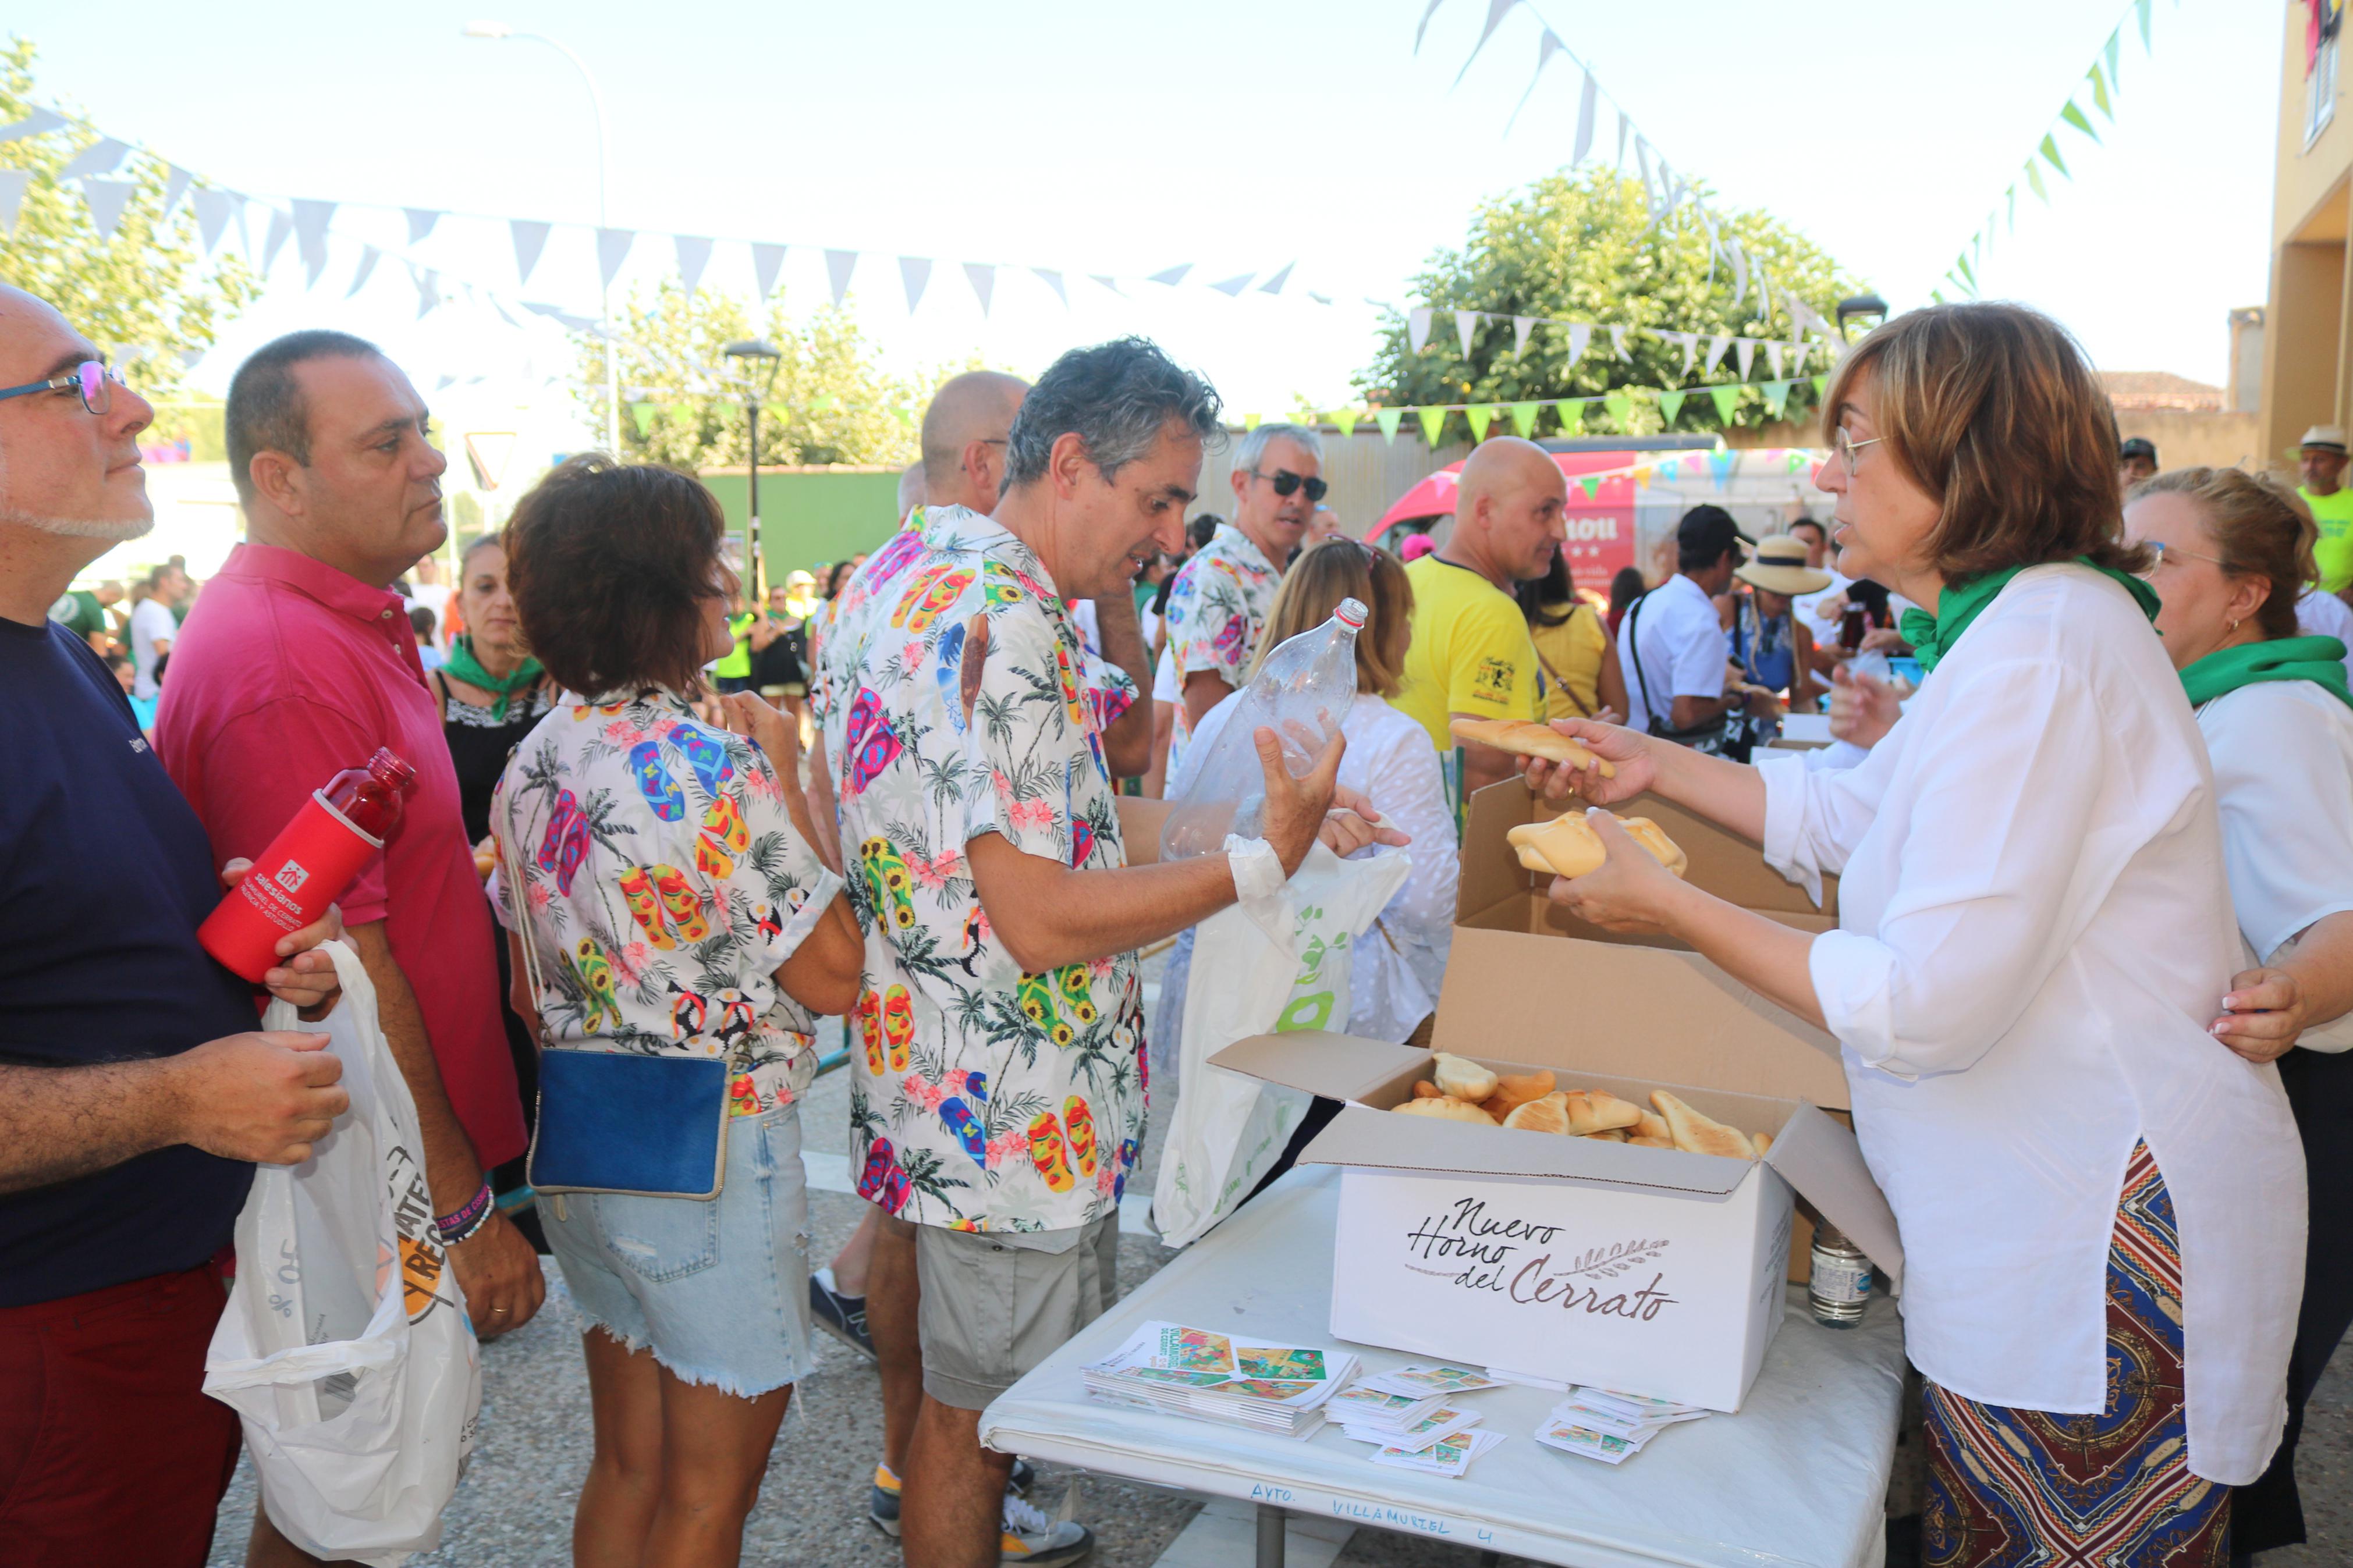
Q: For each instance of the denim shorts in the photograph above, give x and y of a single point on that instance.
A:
(716, 1288)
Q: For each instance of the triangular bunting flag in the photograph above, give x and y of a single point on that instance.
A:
(429, 288)
(1346, 418)
(839, 266)
(1591, 485)
(1586, 102)
(1717, 347)
(1524, 418)
(1108, 281)
(1650, 190)
(1739, 273)
(107, 199)
(1618, 342)
(2100, 93)
(12, 196)
(768, 260)
(1388, 420)
(282, 228)
(1252, 421)
(311, 218)
(2034, 178)
(39, 122)
(1548, 45)
(1726, 398)
(368, 254)
(1520, 327)
(1496, 11)
(1233, 286)
(1777, 397)
(1570, 412)
(420, 223)
(102, 156)
(1433, 420)
(1173, 276)
(1427, 12)
(2050, 149)
(1821, 387)
(1620, 404)
(2009, 202)
(612, 249)
(1466, 322)
(1579, 335)
(914, 273)
(1670, 404)
(212, 209)
(2141, 8)
(982, 275)
(1745, 350)
(175, 185)
(2111, 50)
(1479, 416)
(2074, 115)
(1053, 280)
(1274, 284)
(693, 252)
(643, 414)
(530, 239)
(1417, 328)
(1773, 357)
(1689, 343)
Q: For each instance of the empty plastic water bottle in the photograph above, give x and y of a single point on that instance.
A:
(1302, 692)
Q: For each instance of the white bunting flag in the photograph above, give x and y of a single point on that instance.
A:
(1579, 334)
(1689, 343)
(1274, 284)
(1466, 322)
(1319, 299)
(1618, 342)
(1108, 281)
(1624, 127)
(175, 185)
(1229, 286)
(693, 255)
(1520, 327)
(914, 275)
(1716, 349)
(1496, 11)
(420, 223)
(191, 358)
(212, 209)
(509, 317)
(368, 254)
(1800, 353)
(1427, 12)
(1417, 328)
(612, 249)
(1548, 47)
(1587, 103)
(766, 261)
(1739, 273)
(1650, 193)
(839, 266)
(1745, 350)
(1172, 276)
(282, 228)
(42, 121)
(429, 288)
(1773, 357)
(982, 275)
(102, 156)
(1053, 280)
(310, 219)
(12, 196)
(529, 240)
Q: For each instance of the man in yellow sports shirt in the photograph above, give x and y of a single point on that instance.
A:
(2321, 457)
(1471, 656)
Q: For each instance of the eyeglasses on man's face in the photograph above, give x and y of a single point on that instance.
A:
(91, 379)
(1288, 484)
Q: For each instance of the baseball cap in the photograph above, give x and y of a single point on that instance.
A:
(1706, 531)
(2137, 446)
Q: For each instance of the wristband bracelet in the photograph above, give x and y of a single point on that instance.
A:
(463, 1222)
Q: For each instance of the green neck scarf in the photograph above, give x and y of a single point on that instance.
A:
(463, 666)
(2320, 661)
(1933, 636)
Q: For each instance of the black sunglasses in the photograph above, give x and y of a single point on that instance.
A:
(1287, 483)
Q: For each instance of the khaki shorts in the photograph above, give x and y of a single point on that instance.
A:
(996, 1303)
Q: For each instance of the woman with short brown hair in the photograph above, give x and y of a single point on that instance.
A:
(2102, 1206)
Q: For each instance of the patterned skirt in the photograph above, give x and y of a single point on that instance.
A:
(2026, 1488)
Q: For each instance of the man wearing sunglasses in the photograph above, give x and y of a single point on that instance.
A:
(135, 1091)
(1219, 605)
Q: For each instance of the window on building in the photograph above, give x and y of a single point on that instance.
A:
(2320, 75)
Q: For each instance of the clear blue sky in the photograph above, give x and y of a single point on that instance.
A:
(1239, 136)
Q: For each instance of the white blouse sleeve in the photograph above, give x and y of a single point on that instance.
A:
(2284, 782)
(1814, 816)
(2012, 845)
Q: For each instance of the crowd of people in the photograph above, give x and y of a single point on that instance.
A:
(2092, 957)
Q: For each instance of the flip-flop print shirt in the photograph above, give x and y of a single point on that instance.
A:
(982, 1098)
(1217, 610)
(665, 884)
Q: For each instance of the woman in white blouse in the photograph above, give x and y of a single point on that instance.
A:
(2034, 936)
(2278, 722)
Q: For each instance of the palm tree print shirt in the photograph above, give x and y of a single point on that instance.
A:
(665, 884)
(982, 1098)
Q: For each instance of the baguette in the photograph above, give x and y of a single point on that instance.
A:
(1530, 740)
(1568, 847)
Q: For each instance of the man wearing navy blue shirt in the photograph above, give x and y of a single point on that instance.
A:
(135, 1089)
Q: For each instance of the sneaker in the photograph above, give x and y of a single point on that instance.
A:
(1036, 1541)
(843, 1317)
(882, 1498)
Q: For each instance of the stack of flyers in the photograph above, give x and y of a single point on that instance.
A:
(1211, 1376)
(1420, 1381)
(1438, 1425)
(1605, 1425)
(1448, 1456)
(1361, 1405)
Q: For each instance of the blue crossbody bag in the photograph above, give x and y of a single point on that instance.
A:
(611, 1121)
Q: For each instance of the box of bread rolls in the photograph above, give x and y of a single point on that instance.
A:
(1590, 1175)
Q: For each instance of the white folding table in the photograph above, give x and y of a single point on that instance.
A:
(1799, 1478)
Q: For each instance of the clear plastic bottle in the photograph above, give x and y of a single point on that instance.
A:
(1302, 692)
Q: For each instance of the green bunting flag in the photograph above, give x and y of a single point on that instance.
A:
(1777, 397)
(2034, 178)
(1524, 418)
(1726, 398)
(1590, 484)
(643, 413)
(1570, 412)
(1478, 415)
(1250, 421)
(1670, 405)
(1387, 419)
(2114, 46)
(1821, 387)
(1433, 420)
(1620, 404)
(2050, 148)
(2100, 93)
(2142, 6)
(1346, 418)
(2074, 115)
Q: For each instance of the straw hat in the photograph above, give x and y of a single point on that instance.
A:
(1779, 567)
(2328, 438)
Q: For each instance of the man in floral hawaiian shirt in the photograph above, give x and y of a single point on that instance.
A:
(1219, 605)
(998, 1100)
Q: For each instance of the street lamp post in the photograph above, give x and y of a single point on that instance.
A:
(759, 376)
(1862, 306)
(500, 30)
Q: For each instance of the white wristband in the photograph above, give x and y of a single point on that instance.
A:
(1258, 870)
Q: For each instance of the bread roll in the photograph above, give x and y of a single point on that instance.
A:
(1654, 1126)
(1530, 740)
(1697, 1134)
(1764, 1140)
(1546, 1114)
(1425, 1089)
(1445, 1108)
(1653, 1142)
(1609, 1135)
(1516, 1090)
(1599, 1111)
(1463, 1078)
(1568, 847)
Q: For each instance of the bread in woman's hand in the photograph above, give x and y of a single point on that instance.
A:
(1529, 739)
(1445, 1108)
(1463, 1078)
(1567, 845)
(1697, 1134)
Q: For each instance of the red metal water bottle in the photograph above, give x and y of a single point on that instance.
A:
(307, 865)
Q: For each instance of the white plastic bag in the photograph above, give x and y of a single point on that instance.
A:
(345, 1348)
(1280, 965)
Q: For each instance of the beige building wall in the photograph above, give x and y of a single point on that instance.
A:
(2307, 373)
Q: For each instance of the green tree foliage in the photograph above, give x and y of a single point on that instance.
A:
(148, 286)
(1580, 247)
(682, 404)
